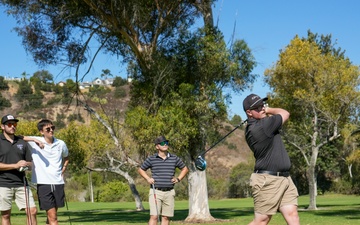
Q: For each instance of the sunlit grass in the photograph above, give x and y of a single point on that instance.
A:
(332, 210)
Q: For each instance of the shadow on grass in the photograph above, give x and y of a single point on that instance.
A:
(129, 216)
(349, 212)
(104, 215)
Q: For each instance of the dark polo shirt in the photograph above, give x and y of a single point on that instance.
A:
(264, 139)
(163, 170)
(11, 153)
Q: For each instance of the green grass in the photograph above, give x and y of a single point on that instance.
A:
(332, 210)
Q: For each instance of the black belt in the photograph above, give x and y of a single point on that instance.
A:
(164, 189)
(279, 174)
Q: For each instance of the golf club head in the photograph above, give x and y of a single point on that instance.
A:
(23, 168)
(200, 163)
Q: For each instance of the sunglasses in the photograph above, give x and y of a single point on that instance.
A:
(258, 108)
(163, 143)
(50, 128)
(11, 124)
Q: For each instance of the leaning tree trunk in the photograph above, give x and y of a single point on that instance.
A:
(130, 180)
(198, 198)
(112, 161)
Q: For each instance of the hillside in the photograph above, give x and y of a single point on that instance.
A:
(224, 156)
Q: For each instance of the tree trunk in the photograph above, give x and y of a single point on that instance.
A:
(312, 179)
(312, 188)
(130, 180)
(135, 193)
(198, 198)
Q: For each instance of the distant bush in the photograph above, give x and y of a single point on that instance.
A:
(76, 117)
(4, 103)
(118, 81)
(3, 84)
(112, 191)
(119, 92)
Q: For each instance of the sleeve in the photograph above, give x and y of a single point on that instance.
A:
(65, 150)
(180, 164)
(28, 156)
(146, 164)
(272, 125)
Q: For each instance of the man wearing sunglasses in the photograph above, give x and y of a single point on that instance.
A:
(162, 180)
(15, 158)
(272, 187)
(49, 166)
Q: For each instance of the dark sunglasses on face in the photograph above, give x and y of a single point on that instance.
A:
(258, 108)
(163, 143)
(11, 124)
(50, 128)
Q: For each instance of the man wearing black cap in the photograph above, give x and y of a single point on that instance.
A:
(162, 179)
(272, 187)
(15, 158)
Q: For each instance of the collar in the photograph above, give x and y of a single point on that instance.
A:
(167, 155)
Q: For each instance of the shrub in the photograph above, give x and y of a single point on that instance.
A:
(112, 191)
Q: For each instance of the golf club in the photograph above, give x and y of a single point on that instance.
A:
(67, 208)
(157, 211)
(200, 162)
(27, 199)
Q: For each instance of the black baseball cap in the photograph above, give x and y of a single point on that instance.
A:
(8, 118)
(159, 140)
(253, 101)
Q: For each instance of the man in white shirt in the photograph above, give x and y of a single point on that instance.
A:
(49, 166)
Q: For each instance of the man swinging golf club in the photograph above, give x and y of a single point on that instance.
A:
(272, 187)
(162, 180)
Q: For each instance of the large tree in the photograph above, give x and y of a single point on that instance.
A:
(319, 86)
(165, 60)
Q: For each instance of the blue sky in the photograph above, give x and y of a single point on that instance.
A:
(267, 27)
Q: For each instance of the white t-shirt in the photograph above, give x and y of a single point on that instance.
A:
(48, 161)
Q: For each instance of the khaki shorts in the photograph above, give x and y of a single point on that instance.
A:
(270, 193)
(7, 194)
(165, 202)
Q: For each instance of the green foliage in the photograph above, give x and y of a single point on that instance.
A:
(319, 86)
(59, 122)
(118, 82)
(26, 95)
(119, 92)
(76, 117)
(24, 92)
(53, 101)
(4, 103)
(217, 188)
(36, 101)
(70, 135)
(112, 191)
(235, 120)
(3, 84)
(98, 91)
(27, 128)
(43, 76)
(238, 183)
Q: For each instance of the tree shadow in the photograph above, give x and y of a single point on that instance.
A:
(349, 212)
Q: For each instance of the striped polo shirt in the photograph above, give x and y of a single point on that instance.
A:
(163, 170)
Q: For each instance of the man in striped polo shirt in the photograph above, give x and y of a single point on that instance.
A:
(162, 165)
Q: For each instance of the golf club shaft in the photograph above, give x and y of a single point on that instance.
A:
(157, 211)
(27, 199)
(67, 207)
(223, 138)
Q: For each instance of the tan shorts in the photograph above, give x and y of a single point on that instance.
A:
(165, 202)
(7, 194)
(270, 193)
